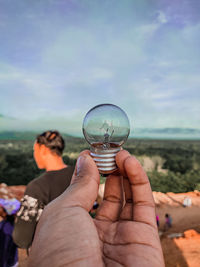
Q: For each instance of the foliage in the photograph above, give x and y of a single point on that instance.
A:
(175, 182)
(180, 159)
(197, 187)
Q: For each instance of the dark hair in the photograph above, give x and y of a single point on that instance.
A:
(53, 140)
(166, 215)
(9, 218)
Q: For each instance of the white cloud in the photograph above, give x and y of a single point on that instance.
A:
(161, 17)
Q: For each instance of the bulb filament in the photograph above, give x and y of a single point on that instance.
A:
(107, 137)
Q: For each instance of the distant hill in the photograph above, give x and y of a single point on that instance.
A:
(12, 135)
(6, 117)
(167, 133)
(144, 133)
(17, 135)
(169, 130)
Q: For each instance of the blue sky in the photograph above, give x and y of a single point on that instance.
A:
(59, 58)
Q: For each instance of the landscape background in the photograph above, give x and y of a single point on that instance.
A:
(58, 59)
(172, 165)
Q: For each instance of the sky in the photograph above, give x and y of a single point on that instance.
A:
(59, 58)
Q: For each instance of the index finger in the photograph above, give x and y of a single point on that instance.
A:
(142, 197)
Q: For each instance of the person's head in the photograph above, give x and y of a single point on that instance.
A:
(166, 215)
(49, 142)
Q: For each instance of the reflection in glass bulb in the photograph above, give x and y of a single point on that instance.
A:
(105, 127)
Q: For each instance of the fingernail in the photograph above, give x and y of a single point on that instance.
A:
(80, 163)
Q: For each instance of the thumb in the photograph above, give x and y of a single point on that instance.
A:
(84, 186)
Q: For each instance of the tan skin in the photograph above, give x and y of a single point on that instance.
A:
(46, 159)
(124, 232)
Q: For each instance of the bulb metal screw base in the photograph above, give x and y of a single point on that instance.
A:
(105, 159)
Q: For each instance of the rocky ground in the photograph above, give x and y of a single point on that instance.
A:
(181, 243)
(182, 251)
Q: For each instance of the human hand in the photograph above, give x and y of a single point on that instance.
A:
(124, 232)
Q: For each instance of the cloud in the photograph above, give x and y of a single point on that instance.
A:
(162, 18)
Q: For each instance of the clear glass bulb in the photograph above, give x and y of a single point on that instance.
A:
(106, 127)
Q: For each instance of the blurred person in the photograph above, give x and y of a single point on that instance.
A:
(168, 222)
(157, 220)
(123, 233)
(187, 202)
(8, 249)
(48, 149)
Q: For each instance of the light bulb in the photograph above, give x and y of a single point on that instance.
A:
(105, 127)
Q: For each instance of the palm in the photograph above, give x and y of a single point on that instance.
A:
(134, 249)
